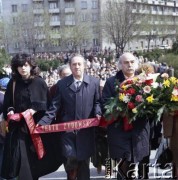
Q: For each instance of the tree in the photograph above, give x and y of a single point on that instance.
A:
(3, 35)
(119, 23)
(74, 35)
(31, 30)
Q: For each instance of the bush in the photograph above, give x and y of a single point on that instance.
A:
(4, 59)
(45, 65)
(152, 55)
(172, 60)
(175, 47)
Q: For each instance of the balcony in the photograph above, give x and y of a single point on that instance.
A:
(70, 23)
(56, 10)
(40, 36)
(38, 11)
(69, 10)
(55, 36)
(153, 12)
(55, 23)
(38, 24)
(170, 4)
(175, 13)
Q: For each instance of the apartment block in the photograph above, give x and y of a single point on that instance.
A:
(70, 13)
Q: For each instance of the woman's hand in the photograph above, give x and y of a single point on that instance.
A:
(32, 111)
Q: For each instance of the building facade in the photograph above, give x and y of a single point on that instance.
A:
(163, 15)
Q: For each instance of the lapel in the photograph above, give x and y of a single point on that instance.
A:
(71, 85)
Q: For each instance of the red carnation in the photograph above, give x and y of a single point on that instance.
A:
(131, 105)
(149, 82)
(131, 91)
(129, 82)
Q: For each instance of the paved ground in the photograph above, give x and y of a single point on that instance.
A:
(155, 173)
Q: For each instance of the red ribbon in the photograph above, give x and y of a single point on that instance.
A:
(35, 131)
(127, 125)
(36, 139)
(67, 126)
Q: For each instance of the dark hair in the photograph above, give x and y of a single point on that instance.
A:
(19, 60)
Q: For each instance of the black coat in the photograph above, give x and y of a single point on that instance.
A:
(76, 104)
(28, 94)
(123, 143)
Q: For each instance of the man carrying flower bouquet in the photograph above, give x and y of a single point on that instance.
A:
(128, 142)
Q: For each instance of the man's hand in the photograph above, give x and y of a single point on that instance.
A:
(98, 116)
(10, 112)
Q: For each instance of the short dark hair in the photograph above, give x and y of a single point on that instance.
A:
(19, 60)
(77, 55)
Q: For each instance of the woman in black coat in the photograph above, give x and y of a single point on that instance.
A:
(25, 91)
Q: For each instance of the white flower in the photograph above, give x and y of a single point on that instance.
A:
(175, 92)
(153, 76)
(155, 84)
(126, 99)
(165, 75)
(147, 89)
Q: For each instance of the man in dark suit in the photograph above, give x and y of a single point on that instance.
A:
(78, 97)
(125, 146)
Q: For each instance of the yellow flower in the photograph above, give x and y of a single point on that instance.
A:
(121, 96)
(174, 98)
(150, 99)
(134, 110)
(124, 87)
(173, 80)
(135, 79)
(166, 83)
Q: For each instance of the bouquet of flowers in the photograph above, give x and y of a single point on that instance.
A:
(144, 96)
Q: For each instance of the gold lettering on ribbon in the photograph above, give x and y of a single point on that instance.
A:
(76, 125)
(65, 126)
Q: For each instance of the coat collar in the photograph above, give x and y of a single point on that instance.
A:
(70, 81)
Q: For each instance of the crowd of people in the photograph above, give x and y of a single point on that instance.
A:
(77, 90)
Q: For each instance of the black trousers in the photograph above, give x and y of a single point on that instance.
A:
(79, 168)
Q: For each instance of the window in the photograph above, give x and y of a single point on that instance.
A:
(38, 18)
(14, 20)
(55, 43)
(94, 16)
(14, 8)
(70, 18)
(95, 29)
(84, 17)
(53, 5)
(69, 4)
(95, 42)
(85, 42)
(38, 6)
(41, 44)
(54, 18)
(17, 45)
(24, 7)
(56, 30)
(94, 4)
(83, 4)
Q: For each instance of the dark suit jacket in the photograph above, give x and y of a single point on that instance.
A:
(76, 104)
(132, 145)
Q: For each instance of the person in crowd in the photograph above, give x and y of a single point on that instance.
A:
(3, 84)
(25, 91)
(125, 146)
(63, 71)
(79, 97)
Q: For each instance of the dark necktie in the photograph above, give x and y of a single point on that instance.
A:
(77, 84)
